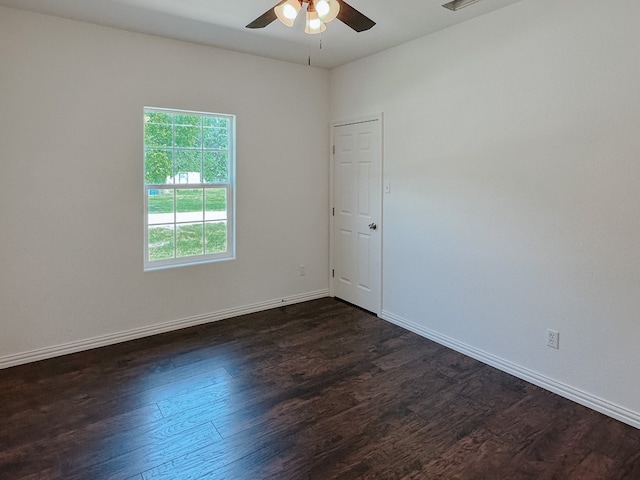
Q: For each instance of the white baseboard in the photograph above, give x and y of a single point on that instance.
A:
(583, 398)
(104, 340)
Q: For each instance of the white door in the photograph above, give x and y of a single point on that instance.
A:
(357, 211)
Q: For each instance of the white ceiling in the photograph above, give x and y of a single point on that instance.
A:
(221, 23)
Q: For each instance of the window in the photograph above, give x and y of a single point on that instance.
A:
(189, 166)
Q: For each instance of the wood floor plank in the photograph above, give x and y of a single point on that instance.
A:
(50, 423)
(46, 474)
(205, 461)
(142, 458)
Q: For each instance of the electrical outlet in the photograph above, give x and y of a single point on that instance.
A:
(302, 272)
(553, 338)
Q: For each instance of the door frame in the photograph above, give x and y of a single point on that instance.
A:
(379, 117)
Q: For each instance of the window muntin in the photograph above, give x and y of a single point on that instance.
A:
(189, 179)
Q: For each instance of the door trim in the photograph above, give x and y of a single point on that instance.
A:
(379, 117)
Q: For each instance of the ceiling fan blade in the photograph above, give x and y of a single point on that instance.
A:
(353, 18)
(266, 18)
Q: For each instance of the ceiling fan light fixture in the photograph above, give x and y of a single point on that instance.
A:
(458, 4)
(327, 9)
(287, 12)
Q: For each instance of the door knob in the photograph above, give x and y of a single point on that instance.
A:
(373, 226)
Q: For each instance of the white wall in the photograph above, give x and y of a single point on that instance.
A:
(512, 144)
(71, 201)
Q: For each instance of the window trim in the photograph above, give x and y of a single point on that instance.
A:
(230, 254)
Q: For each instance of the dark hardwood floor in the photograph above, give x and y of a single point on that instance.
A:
(319, 390)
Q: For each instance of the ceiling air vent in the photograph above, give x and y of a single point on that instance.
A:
(458, 4)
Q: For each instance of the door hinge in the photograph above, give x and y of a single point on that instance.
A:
(333, 212)
(333, 273)
(334, 149)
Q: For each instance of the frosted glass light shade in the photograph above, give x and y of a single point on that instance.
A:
(288, 11)
(314, 24)
(327, 9)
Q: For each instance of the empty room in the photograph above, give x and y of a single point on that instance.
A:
(319, 239)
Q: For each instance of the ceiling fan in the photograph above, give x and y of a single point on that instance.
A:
(319, 12)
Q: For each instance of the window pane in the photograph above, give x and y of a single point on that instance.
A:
(183, 119)
(221, 122)
(158, 129)
(216, 237)
(158, 165)
(216, 167)
(188, 166)
(189, 240)
(188, 131)
(189, 205)
(160, 206)
(161, 242)
(215, 204)
(216, 138)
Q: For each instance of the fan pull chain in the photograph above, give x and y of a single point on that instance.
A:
(309, 50)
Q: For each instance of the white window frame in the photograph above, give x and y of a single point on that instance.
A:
(229, 254)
